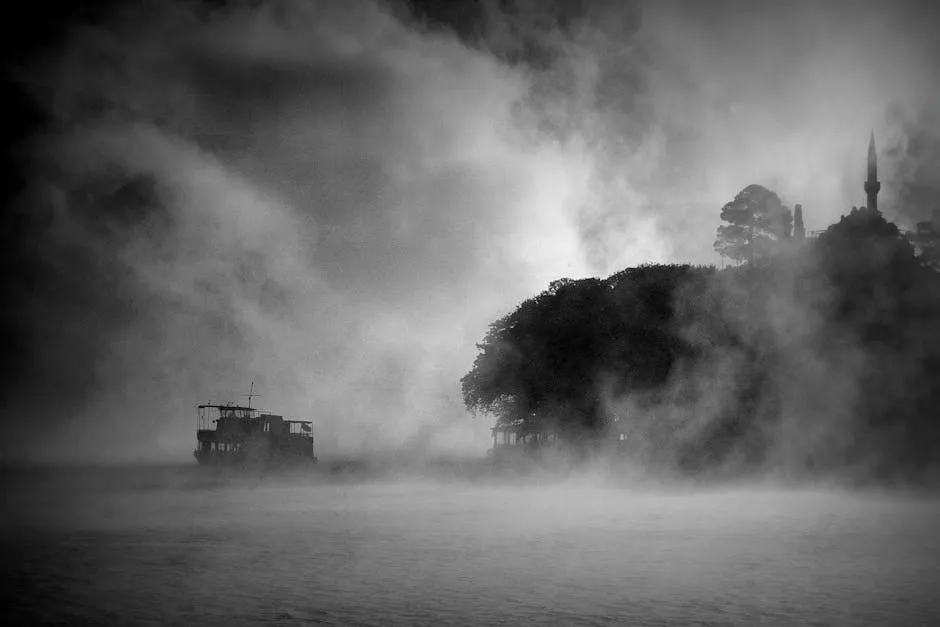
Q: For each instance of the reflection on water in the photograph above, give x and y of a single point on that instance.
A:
(181, 548)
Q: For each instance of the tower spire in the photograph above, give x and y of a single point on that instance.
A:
(872, 185)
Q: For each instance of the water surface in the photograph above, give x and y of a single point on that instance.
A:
(148, 547)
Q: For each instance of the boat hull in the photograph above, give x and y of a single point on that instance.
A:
(229, 460)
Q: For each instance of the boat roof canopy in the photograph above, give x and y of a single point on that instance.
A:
(212, 406)
(253, 410)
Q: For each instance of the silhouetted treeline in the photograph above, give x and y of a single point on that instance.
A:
(821, 359)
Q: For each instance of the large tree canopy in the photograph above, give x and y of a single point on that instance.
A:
(827, 356)
(543, 362)
(756, 218)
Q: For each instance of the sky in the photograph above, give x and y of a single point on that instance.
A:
(334, 200)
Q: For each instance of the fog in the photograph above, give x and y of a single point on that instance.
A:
(333, 200)
(135, 545)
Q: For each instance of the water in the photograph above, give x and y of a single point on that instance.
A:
(115, 548)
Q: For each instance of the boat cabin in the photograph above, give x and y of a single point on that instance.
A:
(236, 435)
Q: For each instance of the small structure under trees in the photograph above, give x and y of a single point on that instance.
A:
(519, 433)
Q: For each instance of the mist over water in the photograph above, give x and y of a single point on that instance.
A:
(169, 547)
(333, 200)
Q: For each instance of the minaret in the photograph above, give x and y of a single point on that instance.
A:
(872, 186)
(799, 231)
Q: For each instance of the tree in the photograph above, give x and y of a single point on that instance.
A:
(885, 306)
(756, 219)
(543, 363)
(541, 355)
(864, 248)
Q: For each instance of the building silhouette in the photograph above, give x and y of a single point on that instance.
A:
(799, 231)
(872, 185)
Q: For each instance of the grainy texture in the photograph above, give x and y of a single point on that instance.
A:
(119, 549)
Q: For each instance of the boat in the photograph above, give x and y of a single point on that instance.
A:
(240, 436)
